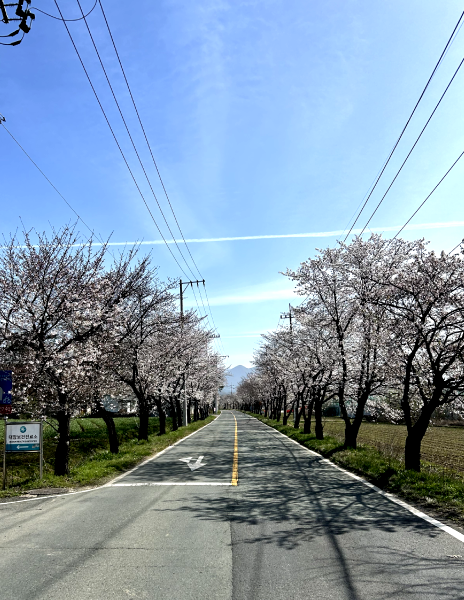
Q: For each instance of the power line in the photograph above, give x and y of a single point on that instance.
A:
(211, 313)
(204, 309)
(154, 161)
(414, 145)
(2, 119)
(153, 158)
(422, 204)
(130, 137)
(146, 137)
(405, 127)
(117, 143)
(148, 144)
(53, 186)
(456, 247)
(119, 147)
(68, 20)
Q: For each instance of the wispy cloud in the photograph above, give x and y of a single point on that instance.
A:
(316, 234)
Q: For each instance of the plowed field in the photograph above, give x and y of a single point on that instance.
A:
(442, 446)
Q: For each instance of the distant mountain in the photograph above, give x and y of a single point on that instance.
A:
(234, 377)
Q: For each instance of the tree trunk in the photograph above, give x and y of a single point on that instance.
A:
(174, 425)
(189, 405)
(296, 413)
(285, 417)
(318, 418)
(110, 427)
(195, 410)
(62, 449)
(143, 421)
(307, 418)
(412, 448)
(412, 451)
(351, 435)
(179, 413)
(352, 428)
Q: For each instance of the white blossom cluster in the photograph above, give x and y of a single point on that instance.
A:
(380, 333)
(77, 324)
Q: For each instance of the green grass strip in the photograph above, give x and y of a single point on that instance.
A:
(91, 462)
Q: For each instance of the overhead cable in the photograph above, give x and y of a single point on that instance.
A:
(117, 143)
(407, 123)
(456, 247)
(152, 156)
(422, 204)
(414, 145)
(131, 139)
(67, 20)
(53, 186)
(146, 137)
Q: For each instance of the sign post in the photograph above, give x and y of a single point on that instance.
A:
(23, 436)
(6, 386)
(4, 455)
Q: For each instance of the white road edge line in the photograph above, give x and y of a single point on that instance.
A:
(110, 483)
(446, 528)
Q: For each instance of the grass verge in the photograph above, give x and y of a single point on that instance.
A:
(91, 462)
(437, 493)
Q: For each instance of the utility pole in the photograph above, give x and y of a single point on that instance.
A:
(288, 316)
(181, 288)
(217, 391)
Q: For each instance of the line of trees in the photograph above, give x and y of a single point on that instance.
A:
(380, 332)
(78, 325)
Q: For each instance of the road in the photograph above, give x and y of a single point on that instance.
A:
(293, 528)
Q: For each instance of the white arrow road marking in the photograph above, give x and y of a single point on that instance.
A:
(196, 465)
(187, 460)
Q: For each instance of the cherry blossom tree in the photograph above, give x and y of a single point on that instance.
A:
(340, 297)
(56, 297)
(425, 300)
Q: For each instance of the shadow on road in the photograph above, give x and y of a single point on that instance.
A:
(294, 501)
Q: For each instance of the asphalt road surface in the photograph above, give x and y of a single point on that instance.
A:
(293, 528)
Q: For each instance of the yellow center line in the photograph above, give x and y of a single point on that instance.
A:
(235, 461)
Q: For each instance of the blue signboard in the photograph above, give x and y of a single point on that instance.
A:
(23, 437)
(6, 385)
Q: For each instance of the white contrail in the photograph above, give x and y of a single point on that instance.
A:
(317, 234)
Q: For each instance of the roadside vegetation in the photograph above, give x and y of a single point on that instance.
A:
(90, 461)
(86, 331)
(433, 489)
(379, 334)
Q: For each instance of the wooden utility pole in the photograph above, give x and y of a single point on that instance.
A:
(181, 289)
(288, 316)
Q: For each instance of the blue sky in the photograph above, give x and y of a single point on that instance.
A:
(266, 118)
